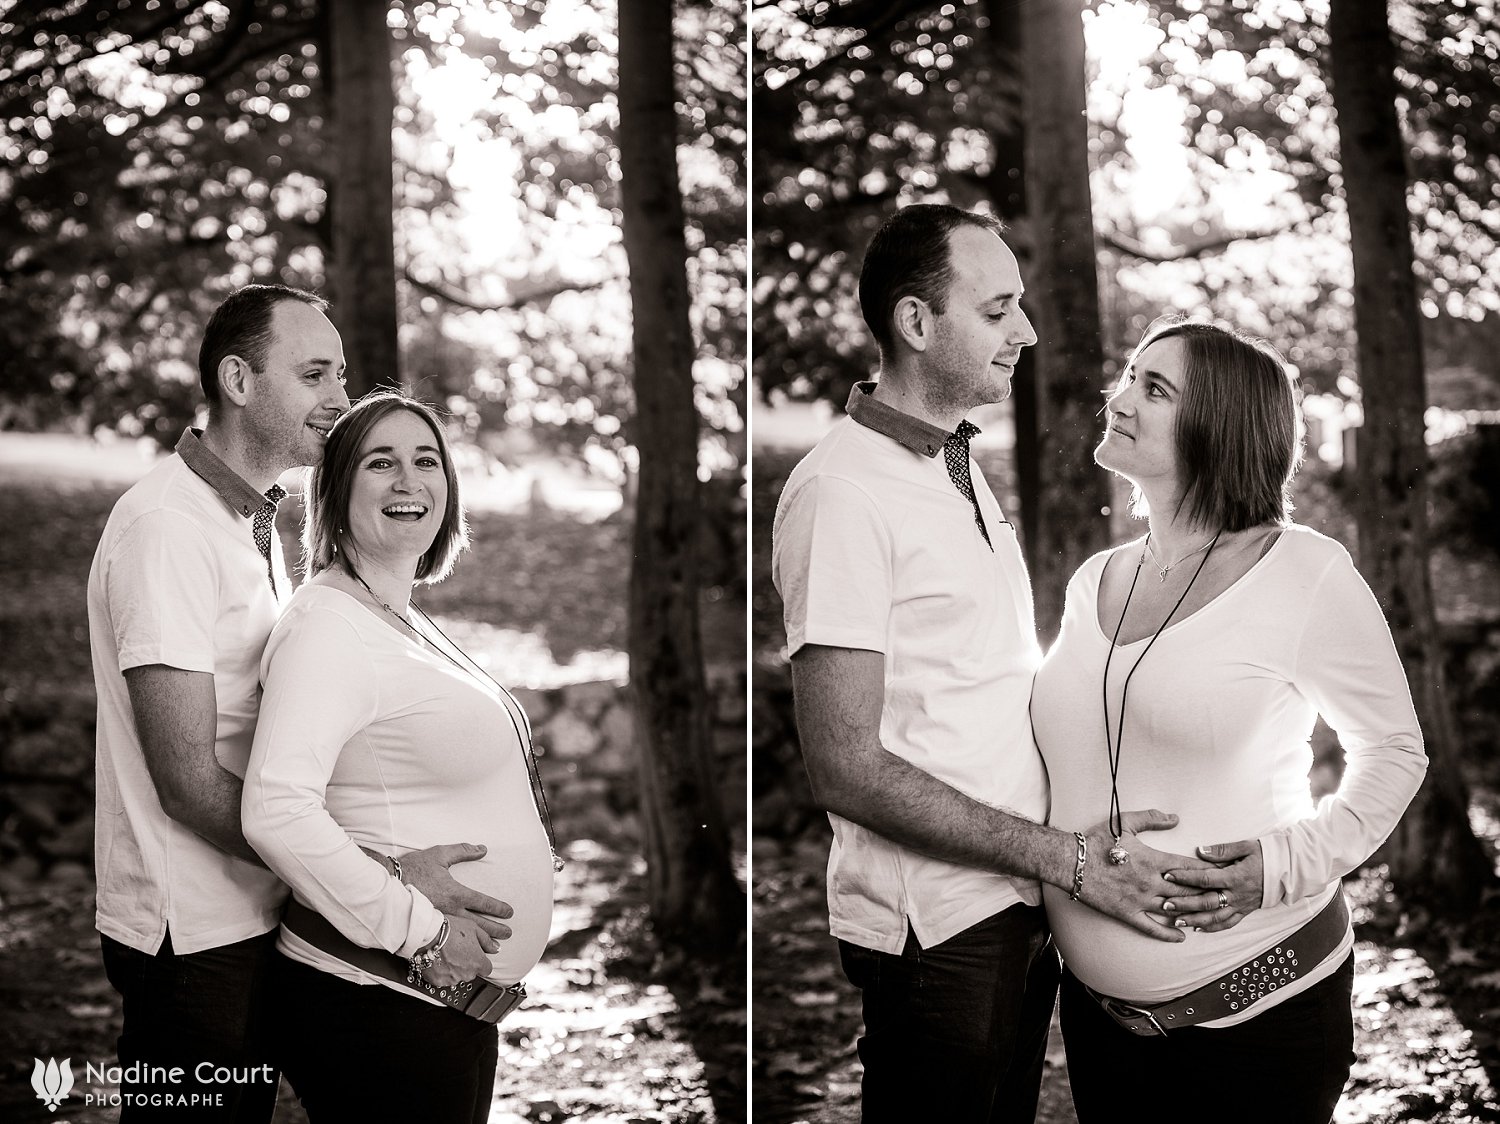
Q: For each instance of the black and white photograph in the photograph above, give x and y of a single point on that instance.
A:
(372, 452)
(1125, 606)
(704, 561)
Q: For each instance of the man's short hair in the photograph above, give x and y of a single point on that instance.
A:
(909, 257)
(241, 326)
(1238, 435)
(325, 531)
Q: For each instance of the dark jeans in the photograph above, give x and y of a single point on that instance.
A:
(957, 1032)
(1287, 1064)
(184, 1011)
(360, 1052)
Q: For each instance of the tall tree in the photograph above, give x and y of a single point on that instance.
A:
(1433, 852)
(1006, 186)
(363, 277)
(692, 891)
(1063, 291)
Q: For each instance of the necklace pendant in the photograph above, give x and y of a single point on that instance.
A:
(1117, 855)
(1162, 574)
(557, 863)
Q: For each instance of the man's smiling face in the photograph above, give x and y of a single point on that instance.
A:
(299, 392)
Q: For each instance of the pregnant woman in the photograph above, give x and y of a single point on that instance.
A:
(376, 737)
(1188, 673)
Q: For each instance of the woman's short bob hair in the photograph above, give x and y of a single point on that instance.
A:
(1238, 436)
(325, 531)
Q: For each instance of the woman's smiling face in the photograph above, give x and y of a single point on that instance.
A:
(400, 490)
(1140, 443)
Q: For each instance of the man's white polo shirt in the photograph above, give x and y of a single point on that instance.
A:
(178, 580)
(874, 548)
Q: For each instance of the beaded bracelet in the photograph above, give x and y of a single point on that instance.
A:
(1078, 865)
(427, 957)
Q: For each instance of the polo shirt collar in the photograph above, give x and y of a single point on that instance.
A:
(232, 488)
(922, 438)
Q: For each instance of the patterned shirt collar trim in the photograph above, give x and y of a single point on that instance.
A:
(231, 487)
(922, 438)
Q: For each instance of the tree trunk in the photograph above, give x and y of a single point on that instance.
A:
(693, 895)
(1062, 291)
(1007, 189)
(1433, 853)
(362, 274)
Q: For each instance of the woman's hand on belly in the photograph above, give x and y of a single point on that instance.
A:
(1135, 891)
(428, 871)
(1235, 887)
(464, 954)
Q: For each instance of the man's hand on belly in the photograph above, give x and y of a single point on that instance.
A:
(427, 870)
(1137, 891)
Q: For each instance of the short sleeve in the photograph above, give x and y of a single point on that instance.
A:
(162, 588)
(1348, 668)
(832, 563)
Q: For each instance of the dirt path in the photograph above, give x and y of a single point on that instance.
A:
(602, 1040)
(1420, 1059)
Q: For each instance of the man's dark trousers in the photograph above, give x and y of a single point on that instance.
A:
(957, 1032)
(184, 1011)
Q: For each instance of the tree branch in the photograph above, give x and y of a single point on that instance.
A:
(463, 300)
(1129, 246)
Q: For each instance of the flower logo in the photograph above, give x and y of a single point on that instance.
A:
(52, 1082)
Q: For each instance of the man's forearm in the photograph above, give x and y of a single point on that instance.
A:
(213, 812)
(900, 802)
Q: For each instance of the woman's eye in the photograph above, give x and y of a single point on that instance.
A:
(427, 462)
(379, 462)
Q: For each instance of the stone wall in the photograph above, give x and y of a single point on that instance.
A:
(588, 765)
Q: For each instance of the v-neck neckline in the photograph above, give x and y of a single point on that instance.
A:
(1256, 566)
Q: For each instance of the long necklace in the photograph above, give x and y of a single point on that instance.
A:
(1162, 571)
(1117, 854)
(508, 701)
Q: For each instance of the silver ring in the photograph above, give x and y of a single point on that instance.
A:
(1223, 900)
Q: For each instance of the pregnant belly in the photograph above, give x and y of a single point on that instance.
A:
(1113, 958)
(519, 873)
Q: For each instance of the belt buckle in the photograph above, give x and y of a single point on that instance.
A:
(506, 1001)
(1131, 1018)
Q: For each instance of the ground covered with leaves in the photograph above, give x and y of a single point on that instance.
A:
(1426, 996)
(1427, 989)
(616, 1030)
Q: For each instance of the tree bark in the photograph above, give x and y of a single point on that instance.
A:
(693, 895)
(1433, 853)
(1007, 189)
(362, 274)
(1062, 291)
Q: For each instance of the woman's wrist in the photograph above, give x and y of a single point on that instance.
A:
(428, 955)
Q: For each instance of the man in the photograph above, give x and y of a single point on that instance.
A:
(909, 622)
(182, 595)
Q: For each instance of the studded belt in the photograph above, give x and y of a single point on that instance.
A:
(478, 998)
(1246, 985)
